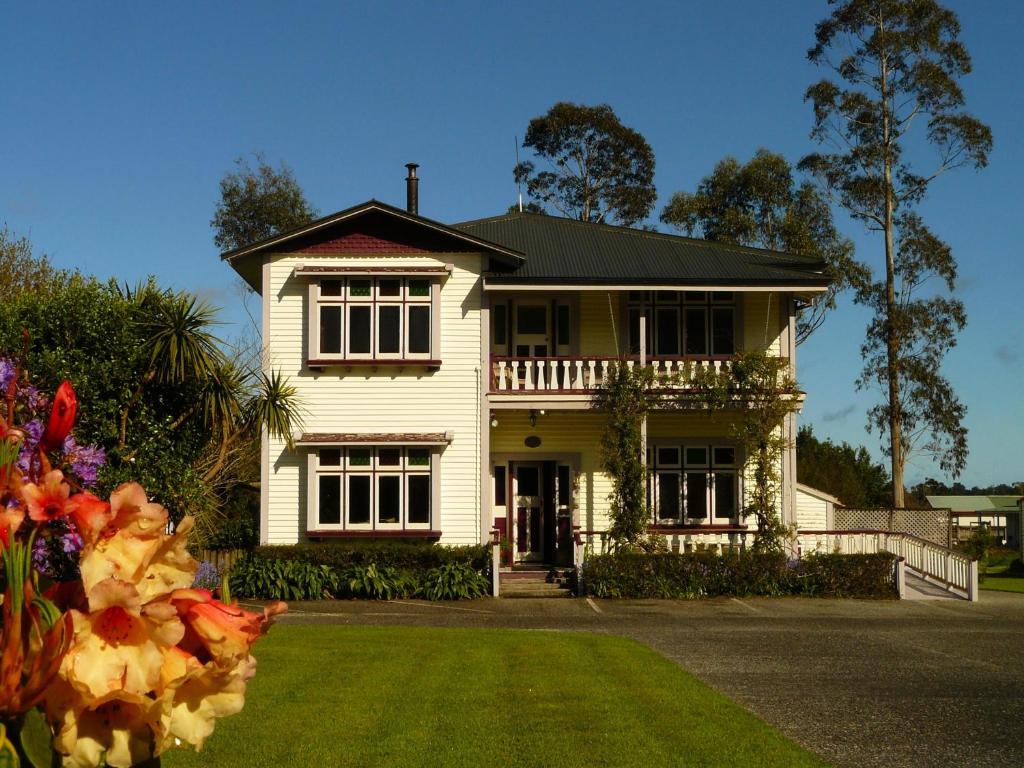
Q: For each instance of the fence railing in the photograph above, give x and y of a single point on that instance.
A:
(583, 374)
(930, 524)
(718, 541)
(222, 559)
(954, 570)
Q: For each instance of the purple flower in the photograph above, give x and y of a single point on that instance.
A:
(207, 576)
(34, 400)
(7, 371)
(85, 460)
(41, 556)
(71, 542)
(33, 434)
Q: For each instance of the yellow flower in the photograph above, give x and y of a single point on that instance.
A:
(199, 693)
(124, 731)
(119, 645)
(134, 548)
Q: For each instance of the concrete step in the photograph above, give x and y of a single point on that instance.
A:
(531, 589)
(534, 583)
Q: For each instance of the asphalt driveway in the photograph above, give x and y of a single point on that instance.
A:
(923, 683)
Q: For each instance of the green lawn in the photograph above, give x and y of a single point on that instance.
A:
(1000, 583)
(361, 696)
(997, 578)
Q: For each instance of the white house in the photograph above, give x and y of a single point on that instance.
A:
(448, 372)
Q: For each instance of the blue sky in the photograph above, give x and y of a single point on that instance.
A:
(120, 119)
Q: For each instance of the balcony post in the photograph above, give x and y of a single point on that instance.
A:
(643, 424)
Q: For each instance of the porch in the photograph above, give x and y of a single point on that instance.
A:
(549, 493)
(566, 344)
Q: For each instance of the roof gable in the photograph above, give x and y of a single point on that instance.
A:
(372, 227)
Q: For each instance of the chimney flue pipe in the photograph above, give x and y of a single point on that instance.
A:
(412, 190)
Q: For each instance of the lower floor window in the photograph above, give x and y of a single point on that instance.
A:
(373, 488)
(693, 483)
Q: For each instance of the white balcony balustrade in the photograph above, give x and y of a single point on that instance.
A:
(581, 374)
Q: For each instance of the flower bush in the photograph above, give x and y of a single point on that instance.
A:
(109, 651)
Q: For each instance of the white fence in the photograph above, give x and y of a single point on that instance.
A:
(583, 374)
(954, 570)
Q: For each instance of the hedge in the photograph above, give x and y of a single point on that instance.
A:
(706, 574)
(364, 569)
(413, 555)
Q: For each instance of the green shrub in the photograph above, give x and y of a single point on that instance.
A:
(834, 575)
(283, 580)
(377, 570)
(454, 581)
(233, 533)
(706, 574)
(403, 555)
(378, 583)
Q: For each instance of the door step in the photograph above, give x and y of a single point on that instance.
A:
(536, 582)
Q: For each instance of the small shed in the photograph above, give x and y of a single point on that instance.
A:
(1000, 514)
(815, 510)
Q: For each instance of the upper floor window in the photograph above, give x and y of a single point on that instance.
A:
(373, 318)
(684, 322)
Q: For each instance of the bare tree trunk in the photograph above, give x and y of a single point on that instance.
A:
(892, 341)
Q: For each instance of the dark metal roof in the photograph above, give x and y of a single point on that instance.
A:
(571, 251)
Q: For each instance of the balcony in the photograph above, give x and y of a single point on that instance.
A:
(582, 375)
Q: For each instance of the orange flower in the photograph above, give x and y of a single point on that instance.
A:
(11, 519)
(90, 514)
(62, 417)
(49, 502)
(214, 630)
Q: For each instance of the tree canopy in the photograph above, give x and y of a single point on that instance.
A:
(846, 472)
(155, 386)
(897, 65)
(21, 270)
(256, 203)
(760, 204)
(596, 169)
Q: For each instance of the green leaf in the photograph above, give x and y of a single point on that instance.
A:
(36, 739)
(8, 755)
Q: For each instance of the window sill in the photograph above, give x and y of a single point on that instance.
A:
(364, 363)
(382, 534)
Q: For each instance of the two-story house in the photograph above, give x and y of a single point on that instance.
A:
(448, 372)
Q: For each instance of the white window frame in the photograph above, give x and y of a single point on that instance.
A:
(649, 303)
(405, 300)
(711, 470)
(374, 470)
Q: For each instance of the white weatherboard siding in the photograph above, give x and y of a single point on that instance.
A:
(761, 322)
(385, 399)
(814, 509)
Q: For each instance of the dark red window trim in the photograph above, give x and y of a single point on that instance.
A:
(364, 363)
(408, 534)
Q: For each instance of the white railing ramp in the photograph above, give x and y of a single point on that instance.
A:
(955, 571)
